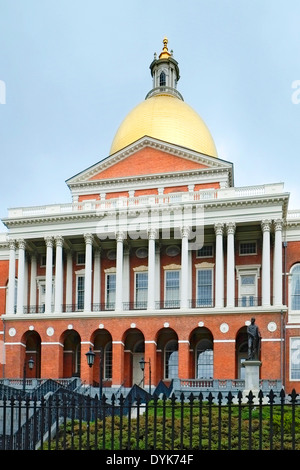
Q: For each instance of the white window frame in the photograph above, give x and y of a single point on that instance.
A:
(111, 305)
(176, 302)
(294, 356)
(295, 313)
(135, 288)
(206, 256)
(80, 274)
(245, 242)
(205, 268)
(250, 270)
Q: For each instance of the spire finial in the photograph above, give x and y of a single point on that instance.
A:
(165, 53)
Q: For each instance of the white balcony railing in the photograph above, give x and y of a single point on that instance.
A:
(147, 200)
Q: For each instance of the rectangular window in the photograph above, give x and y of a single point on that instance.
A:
(110, 291)
(80, 258)
(80, 292)
(295, 359)
(248, 290)
(141, 290)
(204, 288)
(248, 248)
(205, 252)
(172, 289)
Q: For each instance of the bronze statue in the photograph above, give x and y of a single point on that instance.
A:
(254, 338)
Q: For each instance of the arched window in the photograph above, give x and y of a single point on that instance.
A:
(205, 359)
(162, 79)
(171, 360)
(295, 287)
(108, 361)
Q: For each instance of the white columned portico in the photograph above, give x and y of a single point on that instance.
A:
(21, 277)
(152, 235)
(230, 264)
(219, 294)
(119, 271)
(266, 273)
(49, 274)
(184, 285)
(59, 274)
(277, 268)
(11, 277)
(88, 272)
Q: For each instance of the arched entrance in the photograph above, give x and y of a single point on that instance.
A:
(72, 351)
(201, 342)
(102, 369)
(167, 361)
(134, 351)
(32, 341)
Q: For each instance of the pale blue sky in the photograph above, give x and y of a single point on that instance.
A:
(73, 69)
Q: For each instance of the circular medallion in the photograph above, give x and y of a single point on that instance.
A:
(50, 331)
(166, 325)
(12, 331)
(142, 252)
(172, 250)
(224, 327)
(272, 326)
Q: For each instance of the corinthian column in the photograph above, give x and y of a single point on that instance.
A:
(49, 269)
(12, 277)
(21, 277)
(59, 274)
(184, 267)
(152, 235)
(277, 271)
(119, 271)
(219, 295)
(266, 263)
(88, 272)
(230, 264)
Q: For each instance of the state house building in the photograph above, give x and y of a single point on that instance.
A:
(157, 256)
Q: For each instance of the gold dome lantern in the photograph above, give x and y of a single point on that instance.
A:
(164, 115)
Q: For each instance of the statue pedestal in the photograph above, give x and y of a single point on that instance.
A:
(251, 379)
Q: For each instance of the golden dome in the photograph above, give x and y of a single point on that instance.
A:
(167, 118)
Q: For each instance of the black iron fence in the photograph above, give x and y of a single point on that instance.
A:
(66, 420)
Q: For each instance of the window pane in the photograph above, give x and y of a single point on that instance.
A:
(172, 289)
(110, 290)
(80, 292)
(295, 288)
(295, 358)
(141, 289)
(171, 360)
(204, 288)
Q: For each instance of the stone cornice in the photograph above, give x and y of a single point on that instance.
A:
(94, 214)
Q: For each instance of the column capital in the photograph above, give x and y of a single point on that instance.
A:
(185, 231)
(219, 228)
(120, 236)
(12, 244)
(266, 225)
(21, 243)
(152, 233)
(49, 241)
(88, 237)
(230, 227)
(59, 240)
(278, 224)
